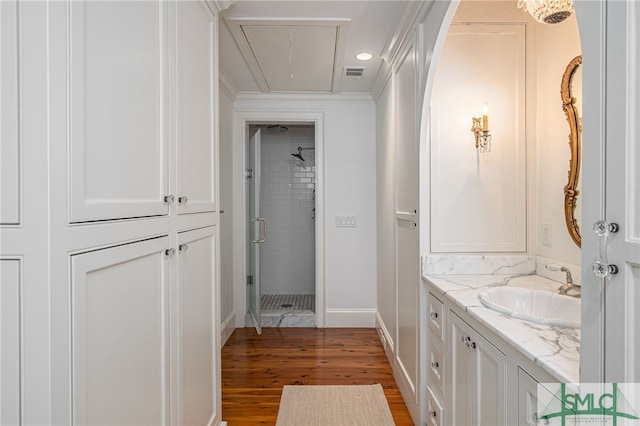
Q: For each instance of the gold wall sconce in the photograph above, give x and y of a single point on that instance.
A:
(480, 129)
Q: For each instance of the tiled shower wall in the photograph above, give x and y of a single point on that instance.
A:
(287, 202)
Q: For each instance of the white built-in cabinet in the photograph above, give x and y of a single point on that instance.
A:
(119, 91)
(109, 248)
(195, 86)
(194, 314)
(473, 377)
(477, 373)
(120, 309)
(142, 108)
(143, 315)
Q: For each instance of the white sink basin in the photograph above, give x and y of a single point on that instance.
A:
(538, 306)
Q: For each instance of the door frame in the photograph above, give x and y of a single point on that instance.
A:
(241, 122)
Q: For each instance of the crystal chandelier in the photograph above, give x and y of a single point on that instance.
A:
(547, 11)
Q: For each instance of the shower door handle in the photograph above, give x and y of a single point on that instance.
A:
(264, 223)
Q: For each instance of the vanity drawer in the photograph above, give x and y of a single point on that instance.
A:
(435, 308)
(436, 368)
(435, 413)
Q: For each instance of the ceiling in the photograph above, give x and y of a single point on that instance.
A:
(305, 45)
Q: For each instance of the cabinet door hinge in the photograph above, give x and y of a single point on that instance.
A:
(249, 279)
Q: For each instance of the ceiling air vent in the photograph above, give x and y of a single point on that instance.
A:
(353, 73)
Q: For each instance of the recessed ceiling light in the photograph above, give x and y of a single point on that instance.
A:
(364, 56)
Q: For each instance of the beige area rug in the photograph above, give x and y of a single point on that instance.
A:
(334, 406)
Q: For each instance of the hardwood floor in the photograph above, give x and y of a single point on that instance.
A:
(255, 368)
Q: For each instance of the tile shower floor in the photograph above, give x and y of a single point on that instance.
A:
(288, 310)
(287, 302)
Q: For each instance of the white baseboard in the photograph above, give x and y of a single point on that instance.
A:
(227, 327)
(407, 389)
(385, 338)
(350, 318)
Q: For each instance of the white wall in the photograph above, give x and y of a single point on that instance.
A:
(553, 153)
(227, 312)
(288, 258)
(349, 189)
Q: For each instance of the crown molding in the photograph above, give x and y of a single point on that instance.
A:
(382, 78)
(222, 5)
(257, 97)
(226, 85)
(414, 13)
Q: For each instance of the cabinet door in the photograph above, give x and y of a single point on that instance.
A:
(530, 392)
(196, 324)
(527, 399)
(195, 74)
(490, 371)
(10, 370)
(407, 201)
(478, 377)
(461, 381)
(9, 140)
(117, 94)
(120, 365)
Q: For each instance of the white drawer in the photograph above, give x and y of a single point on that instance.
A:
(434, 312)
(435, 413)
(436, 368)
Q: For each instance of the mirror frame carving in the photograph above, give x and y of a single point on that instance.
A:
(575, 144)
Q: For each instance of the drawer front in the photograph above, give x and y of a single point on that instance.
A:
(436, 368)
(434, 312)
(435, 412)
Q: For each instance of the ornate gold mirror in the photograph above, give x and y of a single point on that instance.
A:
(571, 93)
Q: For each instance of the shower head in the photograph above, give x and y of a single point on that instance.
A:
(277, 129)
(299, 154)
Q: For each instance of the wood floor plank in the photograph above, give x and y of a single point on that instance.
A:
(256, 367)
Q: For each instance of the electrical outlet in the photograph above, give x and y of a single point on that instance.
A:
(546, 234)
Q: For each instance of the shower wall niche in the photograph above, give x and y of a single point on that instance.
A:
(287, 202)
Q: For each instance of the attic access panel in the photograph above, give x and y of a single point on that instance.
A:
(292, 55)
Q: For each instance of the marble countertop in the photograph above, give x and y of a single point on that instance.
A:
(555, 349)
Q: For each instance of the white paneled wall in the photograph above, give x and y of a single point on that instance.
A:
(287, 202)
(478, 200)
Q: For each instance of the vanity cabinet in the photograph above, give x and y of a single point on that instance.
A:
(476, 375)
(435, 362)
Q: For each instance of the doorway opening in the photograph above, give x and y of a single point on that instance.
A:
(280, 220)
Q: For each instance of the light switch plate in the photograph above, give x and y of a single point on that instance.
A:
(346, 221)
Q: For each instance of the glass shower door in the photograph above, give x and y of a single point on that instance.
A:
(256, 229)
